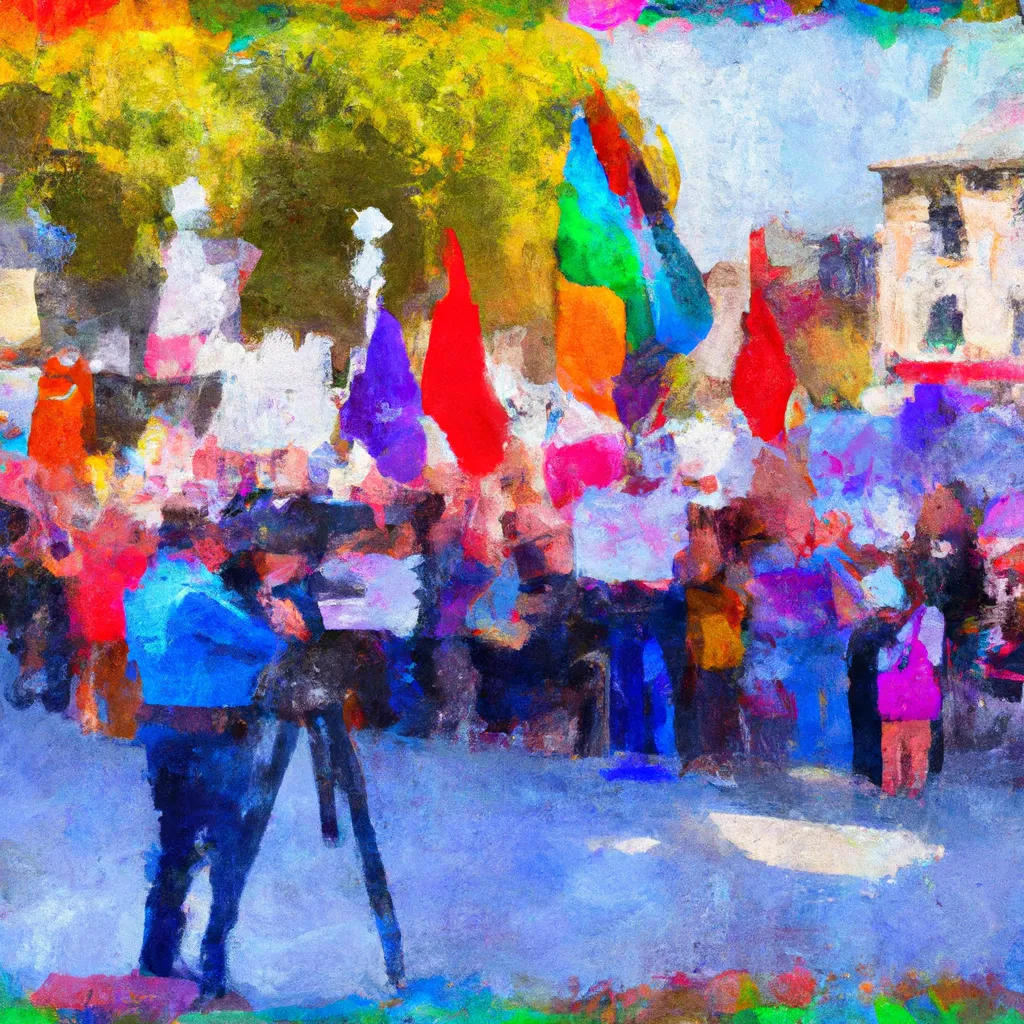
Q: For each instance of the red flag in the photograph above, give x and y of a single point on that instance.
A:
(456, 389)
(610, 145)
(763, 378)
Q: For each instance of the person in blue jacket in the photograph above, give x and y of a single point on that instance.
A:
(200, 651)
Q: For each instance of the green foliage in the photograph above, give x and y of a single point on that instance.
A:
(888, 1011)
(24, 121)
(773, 1015)
(26, 1015)
(88, 200)
(461, 127)
(246, 20)
(525, 13)
(301, 215)
(221, 1017)
(1009, 1017)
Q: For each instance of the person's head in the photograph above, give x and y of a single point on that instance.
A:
(704, 558)
(944, 517)
(833, 528)
(289, 469)
(517, 474)
(178, 523)
(426, 515)
(275, 569)
(61, 361)
(884, 594)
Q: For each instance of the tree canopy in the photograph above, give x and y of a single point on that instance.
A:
(294, 118)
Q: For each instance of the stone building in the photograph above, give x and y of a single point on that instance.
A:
(951, 265)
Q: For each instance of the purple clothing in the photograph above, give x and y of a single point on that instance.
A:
(908, 687)
(384, 407)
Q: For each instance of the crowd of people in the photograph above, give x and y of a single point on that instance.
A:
(471, 615)
(211, 621)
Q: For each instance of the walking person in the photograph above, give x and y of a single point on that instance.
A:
(885, 600)
(714, 637)
(893, 661)
(945, 559)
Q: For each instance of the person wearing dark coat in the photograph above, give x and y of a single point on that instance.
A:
(34, 611)
(874, 634)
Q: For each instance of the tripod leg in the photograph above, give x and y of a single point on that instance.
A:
(349, 776)
(323, 773)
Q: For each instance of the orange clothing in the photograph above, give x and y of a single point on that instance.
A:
(713, 627)
(64, 419)
(905, 747)
(108, 701)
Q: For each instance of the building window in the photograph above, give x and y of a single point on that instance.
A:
(945, 324)
(1018, 210)
(1017, 305)
(947, 226)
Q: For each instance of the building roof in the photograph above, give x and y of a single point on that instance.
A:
(986, 146)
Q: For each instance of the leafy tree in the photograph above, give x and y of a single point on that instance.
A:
(295, 118)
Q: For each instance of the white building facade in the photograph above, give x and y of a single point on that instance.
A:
(951, 265)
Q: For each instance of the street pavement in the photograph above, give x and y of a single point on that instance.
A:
(526, 872)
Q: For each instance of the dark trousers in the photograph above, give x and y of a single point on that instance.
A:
(867, 727)
(671, 635)
(632, 699)
(718, 712)
(214, 796)
(668, 623)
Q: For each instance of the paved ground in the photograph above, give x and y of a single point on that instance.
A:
(523, 871)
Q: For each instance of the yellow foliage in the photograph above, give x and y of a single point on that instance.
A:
(832, 358)
(148, 106)
(657, 152)
(472, 116)
(8, 72)
(482, 116)
(988, 10)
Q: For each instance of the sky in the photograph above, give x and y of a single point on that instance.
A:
(783, 120)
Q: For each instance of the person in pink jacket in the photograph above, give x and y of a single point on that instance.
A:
(910, 699)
